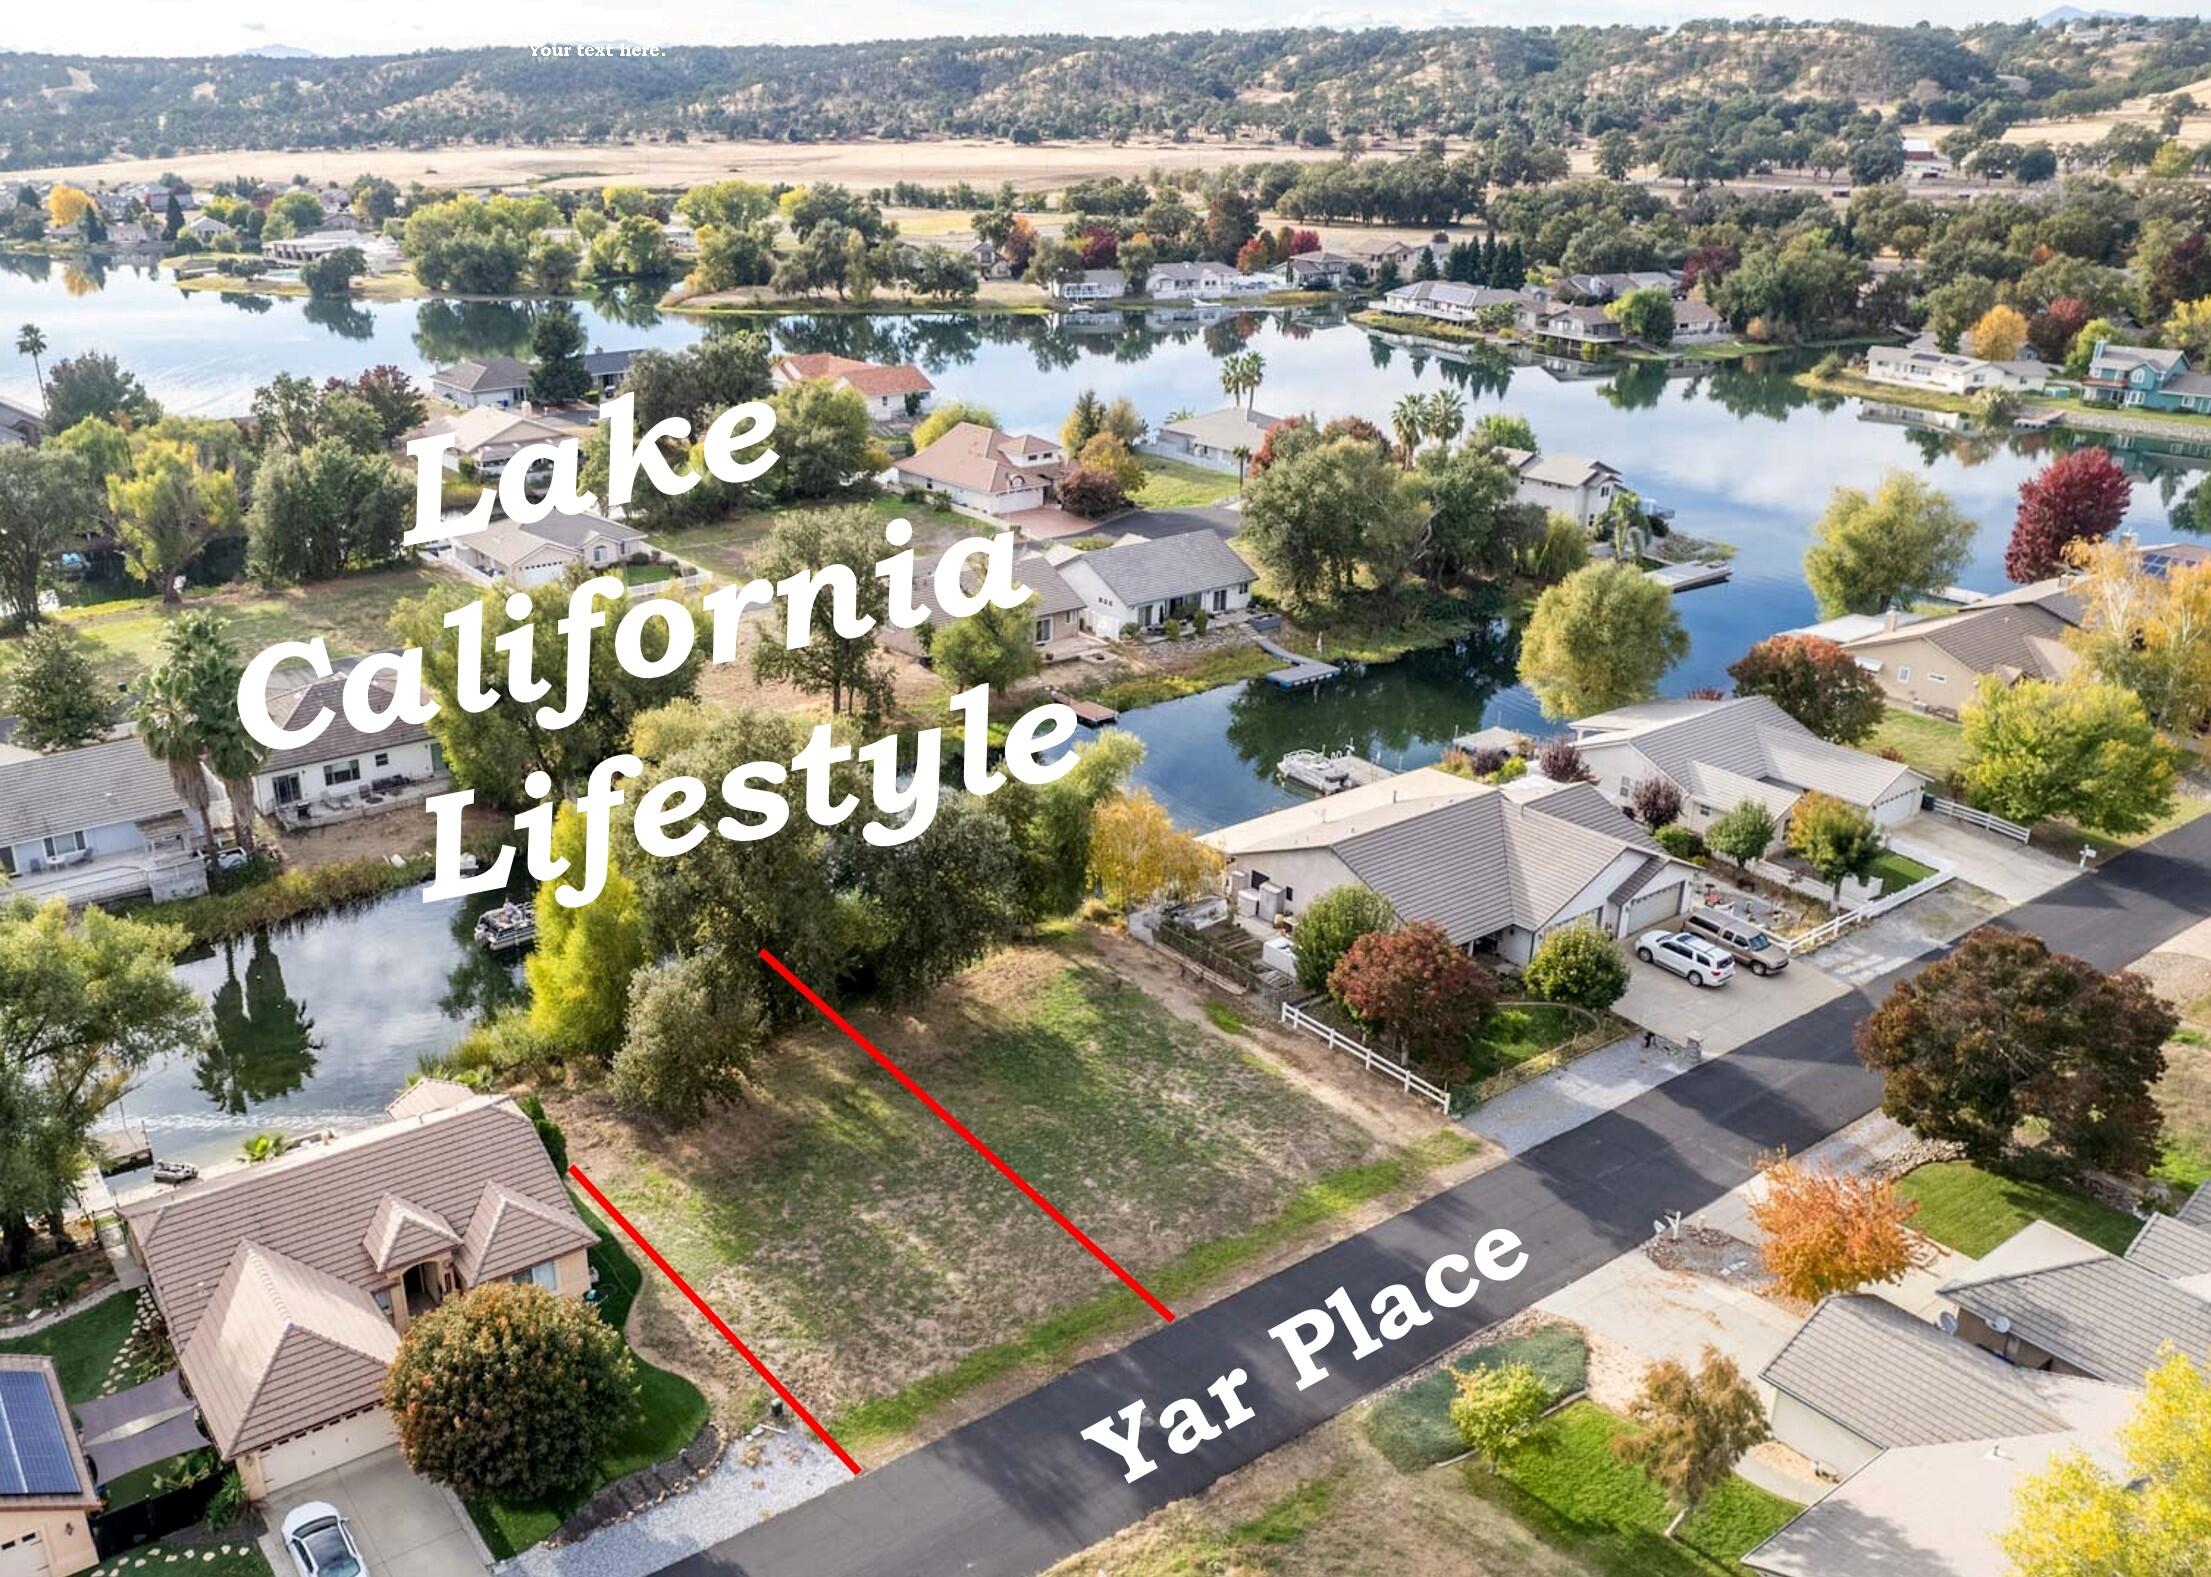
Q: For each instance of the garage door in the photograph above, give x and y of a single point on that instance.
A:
(1660, 904)
(24, 1557)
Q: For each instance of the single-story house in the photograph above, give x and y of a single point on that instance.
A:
(343, 762)
(607, 369)
(983, 470)
(131, 236)
(2143, 376)
(1092, 284)
(101, 821)
(1448, 301)
(1936, 664)
(531, 555)
(19, 424)
(1696, 323)
(1923, 365)
(1055, 608)
(46, 1491)
(890, 392)
(1923, 161)
(206, 227)
(1204, 282)
(1572, 485)
(287, 1285)
(1720, 753)
(490, 435)
(498, 381)
(1212, 440)
(1140, 585)
(1495, 868)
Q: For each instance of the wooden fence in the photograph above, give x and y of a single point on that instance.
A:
(1977, 818)
(1389, 1068)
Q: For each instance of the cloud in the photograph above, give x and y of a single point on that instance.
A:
(255, 27)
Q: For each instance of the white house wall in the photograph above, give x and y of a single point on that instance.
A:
(1827, 1443)
(415, 760)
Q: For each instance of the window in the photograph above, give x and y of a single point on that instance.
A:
(67, 843)
(1903, 675)
(546, 1274)
(1935, 678)
(1220, 602)
(1043, 630)
(383, 758)
(1626, 788)
(342, 772)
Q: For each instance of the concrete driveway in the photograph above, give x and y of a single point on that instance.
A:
(402, 1523)
(2012, 871)
(1726, 1016)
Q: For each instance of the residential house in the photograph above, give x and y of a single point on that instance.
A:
(488, 436)
(1405, 254)
(1206, 281)
(1448, 301)
(1222, 440)
(499, 381)
(1055, 608)
(398, 764)
(1600, 289)
(2143, 376)
(986, 259)
(1092, 284)
(1139, 585)
(1583, 329)
(984, 471)
(891, 393)
(19, 424)
(286, 1286)
(378, 253)
(1923, 161)
(530, 555)
(130, 236)
(1568, 484)
(1720, 753)
(1922, 365)
(46, 1492)
(1696, 323)
(1320, 271)
(206, 227)
(1936, 664)
(99, 822)
(1497, 869)
(607, 369)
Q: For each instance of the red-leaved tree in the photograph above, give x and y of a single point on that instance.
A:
(2080, 497)
(1816, 682)
(2052, 330)
(1423, 992)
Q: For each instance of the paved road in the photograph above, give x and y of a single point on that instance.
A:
(1017, 1490)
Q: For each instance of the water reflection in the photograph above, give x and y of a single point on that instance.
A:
(264, 1043)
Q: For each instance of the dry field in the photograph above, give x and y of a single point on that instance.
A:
(2195, 130)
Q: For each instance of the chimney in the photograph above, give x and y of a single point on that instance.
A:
(1888, 621)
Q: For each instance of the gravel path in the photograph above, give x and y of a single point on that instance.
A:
(757, 1477)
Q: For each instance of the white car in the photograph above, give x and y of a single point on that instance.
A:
(1699, 962)
(321, 1543)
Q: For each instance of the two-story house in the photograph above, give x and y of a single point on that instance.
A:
(984, 471)
(2146, 377)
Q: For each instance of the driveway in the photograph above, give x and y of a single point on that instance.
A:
(1928, 922)
(1725, 1016)
(2012, 871)
(403, 1523)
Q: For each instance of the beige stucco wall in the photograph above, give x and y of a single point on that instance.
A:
(574, 1271)
(1925, 660)
(1819, 1437)
(63, 1537)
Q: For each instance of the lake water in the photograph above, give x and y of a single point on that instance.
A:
(1739, 453)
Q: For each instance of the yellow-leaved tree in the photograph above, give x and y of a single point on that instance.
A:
(2074, 1519)
(1829, 1231)
(1999, 334)
(67, 205)
(1137, 853)
(2144, 631)
(168, 508)
(580, 971)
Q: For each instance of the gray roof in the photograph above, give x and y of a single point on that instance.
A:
(1637, 879)
(2172, 1247)
(1225, 428)
(339, 737)
(2196, 1209)
(73, 790)
(1749, 737)
(1894, 1380)
(1033, 570)
(1990, 637)
(2105, 1316)
(600, 363)
(1183, 566)
(1585, 805)
(491, 372)
(576, 531)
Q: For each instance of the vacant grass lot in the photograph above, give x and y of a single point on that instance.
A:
(728, 547)
(1176, 484)
(880, 1265)
(1971, 1210)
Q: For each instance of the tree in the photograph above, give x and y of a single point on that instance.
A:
(1413, 983)
(1999, 333)
(165, 714)
(1742, 834)
(1561, 761)
(2146, 632)
(580, 969)
(333, 273)
(1494, 1407)
(1695, 1428)
(1504, 430)
(1322, 507)
(1331, 923)
(30, 340)
(1655, 801)
(168, 508)
(2076, 1519)
(1602, 637)
(845, 668)
(1871, 554)
(47, 500)
(2004, 1030)
(95, 384)
(996, 646)
(1085, 419)
(1835, 838)
(87, 1003)
(67, 205)
(1615, 154)
(1092, 493)
(557, 374)
(1137, 854)
(2084, 751)
(2052, 330)
(1646, 314)
(948, 414)
(1241, 374)
(919, 913)
(1578, 964)
(203, 667)
(694, 1034)
(1829, 1231)
(58, 701)
(2078, 497)
(325, 510)
(824, 439)
(1816, 682)
(1106, 452)
(510, 1392)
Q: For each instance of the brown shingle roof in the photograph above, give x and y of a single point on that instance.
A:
(510, 1231)
(400, 1234)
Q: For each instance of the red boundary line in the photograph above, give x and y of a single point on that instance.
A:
(960, 1128)
(712, 1318)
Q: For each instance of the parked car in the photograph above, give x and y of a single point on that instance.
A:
(1699, 962)
(320, 1542)
(1746, 942)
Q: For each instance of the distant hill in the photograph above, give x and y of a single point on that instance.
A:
(280, 52)
(2073, 13)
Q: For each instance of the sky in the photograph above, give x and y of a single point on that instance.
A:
(197, 27)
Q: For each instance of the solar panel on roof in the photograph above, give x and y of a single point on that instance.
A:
(34, 1448)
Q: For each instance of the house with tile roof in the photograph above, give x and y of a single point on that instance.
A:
(530, 555)
(984, 471)
(1140, 585)
(891, 392)
(1720, 753)
(47, 1494)
(1572, 485)
(1054, 608)
(1214, 439)
(343, 766)
(499, 382)
(1936, 664)
(1496, 868)
(100, 822)
(286, 1286)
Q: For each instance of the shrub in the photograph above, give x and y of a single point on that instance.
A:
(1330, 924)
(1679, 841)
(1512, 767)
(1561, 761)
(1655, 802)
(1578, 964)
(1427, 994)
(509, 1392)
(1486, 760)
(1497, 1408)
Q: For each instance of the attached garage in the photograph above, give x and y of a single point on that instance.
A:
(1655, 907)
(273, 1468)
(24, 1556)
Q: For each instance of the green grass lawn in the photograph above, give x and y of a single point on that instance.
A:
(1513, 1034)
(727, 546)
(236, 1558)
(646, 574)
(1412, 1426)
(1896, 871)
(1222, 665)
(1971, 1210)
(1176, 484)
(84, 1345)
(1567, 1487)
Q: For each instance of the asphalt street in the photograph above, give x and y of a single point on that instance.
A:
(1019, 1489)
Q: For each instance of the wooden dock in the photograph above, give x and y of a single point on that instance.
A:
(1301, 671)
(121, 1148)
(1088, 713)
(1688, 577)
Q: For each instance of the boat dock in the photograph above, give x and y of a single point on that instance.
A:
(1301, 671)
(121, 1148)
(1688, 577)
(1088, 713)
(2040, 421)
(1325, 774)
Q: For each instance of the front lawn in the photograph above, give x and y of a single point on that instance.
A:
(85, 1346)
(1567, 1487)
(1176, 484)
(1513, 1034)
(1971, 1210)
(1412, 1426)
(237, 1558)
(1896, 871)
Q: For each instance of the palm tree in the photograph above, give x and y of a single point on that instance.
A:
(1409, 420)
(170, 729)
(1255, 372)
(1243, 460)
(264, 1147)
(30, 340)
(200, 651)
(1446, 415)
